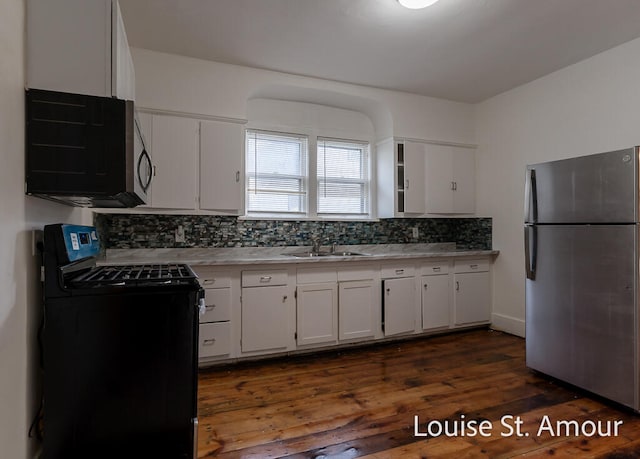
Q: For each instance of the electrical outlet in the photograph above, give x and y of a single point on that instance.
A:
(179, 234)
(415, 232)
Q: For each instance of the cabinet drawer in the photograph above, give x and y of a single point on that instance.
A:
(263, 278)
(316, 275)
(436, 267)
(392, 271)
(356, 273)
(210, 278)
(215, 340)
(471, 266)
(217, 305)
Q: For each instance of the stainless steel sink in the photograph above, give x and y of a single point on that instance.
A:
(309, 254)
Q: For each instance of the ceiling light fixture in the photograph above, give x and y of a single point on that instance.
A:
(416, 4)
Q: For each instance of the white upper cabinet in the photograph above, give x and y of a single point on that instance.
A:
(400, 170)
(174, 149)
(79, 46)
(419, 178)
(413, 174)
(449, 180)
(221, 178)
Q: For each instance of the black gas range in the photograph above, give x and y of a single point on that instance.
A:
(119, 353)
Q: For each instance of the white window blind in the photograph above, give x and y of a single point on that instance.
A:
(276, 173)
(343, 177)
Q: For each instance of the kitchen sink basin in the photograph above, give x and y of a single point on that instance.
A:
(325, 254)
(307, 254)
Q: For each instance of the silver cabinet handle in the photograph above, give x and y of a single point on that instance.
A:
(209, 342)
(265, 279)
(455, 186)
(473, 266)
(426, 286)
(452, 186)
(284, 299)
(154, 170)
(399, 271)
(237, 176)
(436, 269)
(209, 307)
(209, 281)
(457, 286)
(406, 184)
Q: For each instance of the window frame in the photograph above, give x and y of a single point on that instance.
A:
(364, 181)
(304, 178)
(312, 180)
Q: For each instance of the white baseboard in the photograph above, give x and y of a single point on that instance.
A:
(508, 324)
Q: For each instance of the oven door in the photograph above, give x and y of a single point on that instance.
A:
(143, 167)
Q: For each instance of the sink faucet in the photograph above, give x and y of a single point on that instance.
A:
(315, 244)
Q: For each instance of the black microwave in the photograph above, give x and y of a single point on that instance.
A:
(85, 150)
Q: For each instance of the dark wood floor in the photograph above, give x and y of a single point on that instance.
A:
(363, 403)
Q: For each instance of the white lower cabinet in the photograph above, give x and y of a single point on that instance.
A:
(436, 311)
(317, 309)
(359, 309)
(215, 331)
(472, 292)
(398, 299)
(337, 303)
(436, 296)
(260, 311)
(266, 304)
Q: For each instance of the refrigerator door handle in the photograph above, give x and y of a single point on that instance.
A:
(531, 197)
(530, 250)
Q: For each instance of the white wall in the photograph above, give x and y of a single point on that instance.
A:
(183, 84)
(590, 107)
(20, 306)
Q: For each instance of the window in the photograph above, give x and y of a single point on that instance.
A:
(285, 177)
(276, 173)
(343, 183)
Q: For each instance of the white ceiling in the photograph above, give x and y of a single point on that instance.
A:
(463, 50)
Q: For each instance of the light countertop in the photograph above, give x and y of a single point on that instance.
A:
(280, 255)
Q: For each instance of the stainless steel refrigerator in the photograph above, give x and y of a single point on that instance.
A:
(581, 254)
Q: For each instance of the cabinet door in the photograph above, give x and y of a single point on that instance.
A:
(414, 157)
(175, 148)
(69, 46)
(435, 302)
(449, 180)
(399, 305)
(317, 313)
(439, 181)
(472, 298)
(464, 178)
(221, 151)
(359, 309)
(123, 79)
(265, 313)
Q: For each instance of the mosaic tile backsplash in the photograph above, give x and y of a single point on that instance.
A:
(147, 231)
